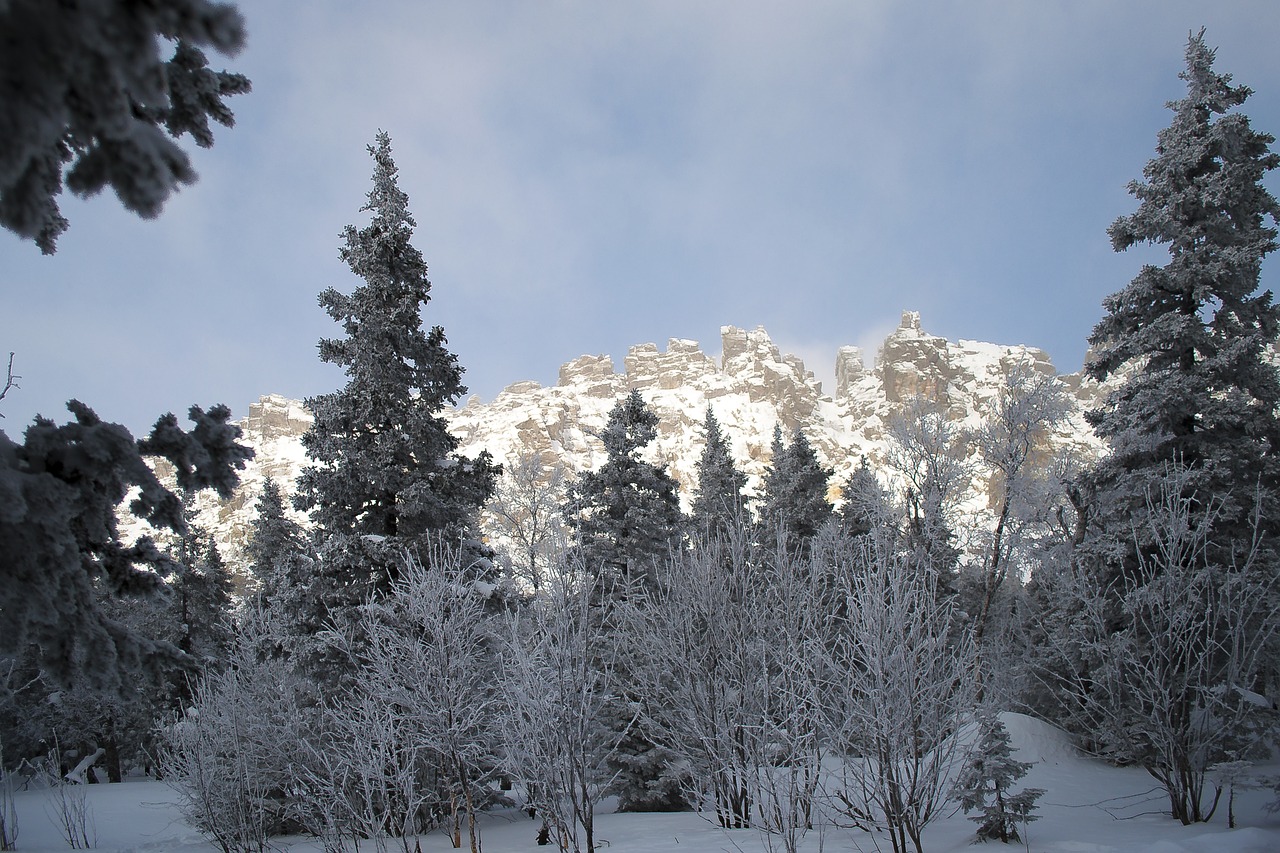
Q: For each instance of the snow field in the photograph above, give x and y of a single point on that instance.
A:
(1088, 807)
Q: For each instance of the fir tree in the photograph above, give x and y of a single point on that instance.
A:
(866, 506)
(1191, 337)
(60, 494)
(626, 516)
(985, 784)
(83, 91)
(795, 503)
(385, 476)
(276, 543)
(719, 503)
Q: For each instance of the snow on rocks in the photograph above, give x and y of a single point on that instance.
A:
(752, 387)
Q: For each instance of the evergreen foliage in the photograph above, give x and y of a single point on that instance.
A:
(626, 519)
(984, 785)
(275, 543)
(386, 476)
(794, 504)
(867, 505)
(86, 98)
(201, 589)
(719, 504)
(1190, 339)
(60, 492)
(626, 515)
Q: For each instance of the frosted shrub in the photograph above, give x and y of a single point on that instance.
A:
(554, 696)
(228, 756)
(8, 813)
(68, 808)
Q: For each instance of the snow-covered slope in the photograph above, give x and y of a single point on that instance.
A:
(751, 386)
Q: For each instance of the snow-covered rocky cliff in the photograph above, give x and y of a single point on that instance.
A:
(751, 387)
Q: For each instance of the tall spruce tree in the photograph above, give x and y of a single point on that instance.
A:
(795, 503)
(386, 475)
(626, 516)
(626, 520)
(719, 502)
(1192, 336)
(1183, 511)
(275, 541)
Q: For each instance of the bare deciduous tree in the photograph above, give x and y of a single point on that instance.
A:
(431, 661)
(526, 510)
(1028, 406)
(900, 686)
(725, 647)
(556, 687)
(9, 383)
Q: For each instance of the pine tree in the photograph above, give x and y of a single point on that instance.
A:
(83, 90)
(626, 519)
(985, 784)
(276, 543)
(1190, 339)
(866, 506)
(795, 503)
(626, 516)
(719, 503)
(385, 475)
(60, 492)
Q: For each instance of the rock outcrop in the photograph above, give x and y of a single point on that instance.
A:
(753, 387)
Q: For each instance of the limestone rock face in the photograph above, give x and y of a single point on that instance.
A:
(752, 387)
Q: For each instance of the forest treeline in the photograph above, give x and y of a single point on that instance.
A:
(775, 660)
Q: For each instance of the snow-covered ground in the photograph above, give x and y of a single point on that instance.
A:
(1089, 807)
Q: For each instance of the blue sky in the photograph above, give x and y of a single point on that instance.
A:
(591, 175)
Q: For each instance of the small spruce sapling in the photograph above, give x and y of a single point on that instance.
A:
(985, 782)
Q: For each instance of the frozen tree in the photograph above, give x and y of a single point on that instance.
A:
(60, 492)
(232, 757)
(1189, 340)
(626, 520)
(985, 785)
(555, 686)
(364, 774)
(899, 685)
(431, 660)
(729, 654)
(626, 515)
(10, 381)
(926, 451)
(867, 505)
(385, 475)
(274, 541)
(794, 503)
(1156, 669)
(201, 588)
(1012, 444)
(527, 510)
(719, 503)
(85, 97)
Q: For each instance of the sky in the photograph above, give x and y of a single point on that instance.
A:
(586, 176)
